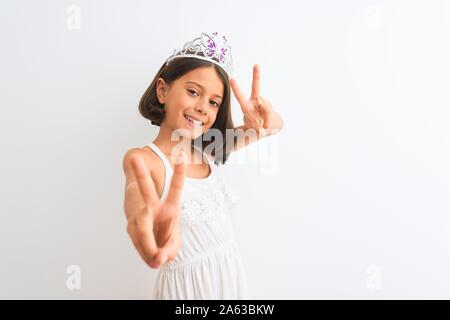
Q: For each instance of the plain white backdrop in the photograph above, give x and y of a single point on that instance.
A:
(355, 203)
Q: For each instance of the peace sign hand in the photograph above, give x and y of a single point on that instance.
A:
(257, 110)
(153, 225)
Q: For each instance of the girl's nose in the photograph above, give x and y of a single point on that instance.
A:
(201, 108)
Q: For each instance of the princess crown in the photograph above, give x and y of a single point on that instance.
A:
(210, 47)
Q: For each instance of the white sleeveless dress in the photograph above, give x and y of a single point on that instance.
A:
(208, 265)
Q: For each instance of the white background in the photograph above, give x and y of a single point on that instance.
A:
(356, 204)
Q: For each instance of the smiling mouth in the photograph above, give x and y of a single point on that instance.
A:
(194, 122)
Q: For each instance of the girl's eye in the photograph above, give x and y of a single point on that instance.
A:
(192, 91)
(213, 102)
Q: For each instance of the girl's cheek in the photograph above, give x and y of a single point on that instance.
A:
(211, 121)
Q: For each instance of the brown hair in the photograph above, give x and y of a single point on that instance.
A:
(151, 109)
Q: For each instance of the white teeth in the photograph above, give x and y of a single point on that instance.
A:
(195, 122)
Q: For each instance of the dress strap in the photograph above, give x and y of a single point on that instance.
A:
(168, 171)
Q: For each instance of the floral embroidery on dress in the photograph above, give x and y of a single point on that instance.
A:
(207, 202)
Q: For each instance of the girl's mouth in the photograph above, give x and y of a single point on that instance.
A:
(192, 122)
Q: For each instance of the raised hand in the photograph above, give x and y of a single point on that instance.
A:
(257, 110)
(153, 225)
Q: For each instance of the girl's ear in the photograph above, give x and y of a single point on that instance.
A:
(161, 89)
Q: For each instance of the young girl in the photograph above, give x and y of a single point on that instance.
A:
(178, 209)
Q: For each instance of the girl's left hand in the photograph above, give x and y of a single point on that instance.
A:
(258, 112)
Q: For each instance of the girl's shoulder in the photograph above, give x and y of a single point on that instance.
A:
(149, 157)
(152, 162)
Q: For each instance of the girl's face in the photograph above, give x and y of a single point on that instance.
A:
(192, 101)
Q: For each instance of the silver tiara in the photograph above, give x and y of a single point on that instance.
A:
(210, 47)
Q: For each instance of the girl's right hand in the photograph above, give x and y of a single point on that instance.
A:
(153, 225)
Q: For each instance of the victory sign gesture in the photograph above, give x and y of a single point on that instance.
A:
(153, 224)
(258, 112)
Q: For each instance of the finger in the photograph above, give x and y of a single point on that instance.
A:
(166, 222)
(131, 230)
(238, 94)
(266, 114)
(252, 118)
(266, 106)
(170, 249)
(176, 184)
(145, 182)
(267, 123)
(256, 81)
(145, 237)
